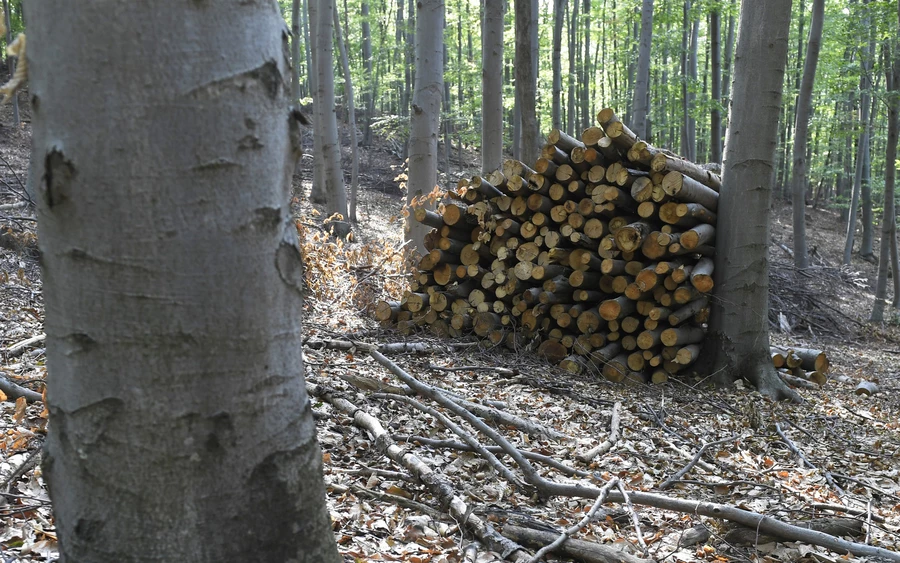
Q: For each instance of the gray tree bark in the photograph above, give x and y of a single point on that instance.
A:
(558, 12)
(526, 79)
(295, 52)
(317, 193)
(172, 281)
(351, 119)
(11, 62)
(425, 117)
(368, 92)
(868, 231)
(889, 219)
(642, 82)
(862, 154)
(801, 135)
(492, 87)
(573, 49)
(739, 335)
(689, 78)
(326, 120)
(585, 65)
(715, 117)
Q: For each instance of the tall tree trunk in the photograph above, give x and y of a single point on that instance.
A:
(573, 45)
(425, 117)
(318, 192)
(889, 219)
(369, 91)
(727, 65)
(688, 75)
(739, 335)
(526, 79)
(172, 280)
(868, 231)
(295, 51)
(11, 62)
(492, 86)
(351, 119)
(445, 102)
(326, 119)
(801, 135)
(585, 66)
(790, 112)
(640, 103)
(862, 153)
(715, 117)
(558, 9)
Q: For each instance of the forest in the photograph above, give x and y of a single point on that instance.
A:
(449, 281)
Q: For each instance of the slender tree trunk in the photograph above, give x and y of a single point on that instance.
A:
(326, 119)
(585, 67)
(492, 87)
(425, 118)
(727, 66)
(11, 62)
(445, 102)
(318, 193)
(351, 118)
(889, 221)
(801, 135)
(715, 117)
(172, 282)
(868, 231)
(640, 103)
(862, 153)
(295, 51)
(692, 60)
(369, 90)
(739, 335)
(558, 9)
(526, 79)
(307, 51)
(573, 44)
(687, 85)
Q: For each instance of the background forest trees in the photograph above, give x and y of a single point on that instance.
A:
(690, 61)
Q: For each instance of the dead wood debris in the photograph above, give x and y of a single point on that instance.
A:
(800, 300)
(548, 488)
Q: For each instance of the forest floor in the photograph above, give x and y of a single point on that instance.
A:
(741, 448)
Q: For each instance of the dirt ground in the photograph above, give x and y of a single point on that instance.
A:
(382, 512)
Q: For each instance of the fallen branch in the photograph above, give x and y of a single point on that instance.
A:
(498, 370)
(19, 348)
(610, 441)
(498, 416)
(681, 472)
(14, 391)
(568, 532)
(11, 206)
(462, 433)
(848, 510)
(765, 524)
(32, 460)
(450, 444)
(634, 517)
(577, 549)
(791, 446)
(389, 348)
(436, 483)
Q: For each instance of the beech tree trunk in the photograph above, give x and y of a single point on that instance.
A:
(172, 280)
(317, 193)
(862, 154)
(425, 117)
(295, 51)
(801, 135)
(558, 13)
(492, 87)
(11, 62)
(526, 79)
(351, 118)
(326, 119)
(642, 84)
(369, 87)
(739, 329)
(715, 117)
(889, 219)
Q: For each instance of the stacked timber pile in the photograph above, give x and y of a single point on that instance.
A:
(601, 252)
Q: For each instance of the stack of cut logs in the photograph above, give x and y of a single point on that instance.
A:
(602, 253)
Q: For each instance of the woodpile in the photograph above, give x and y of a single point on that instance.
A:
(600, 254)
